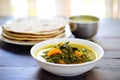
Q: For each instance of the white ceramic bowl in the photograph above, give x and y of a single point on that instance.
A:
(67, 69)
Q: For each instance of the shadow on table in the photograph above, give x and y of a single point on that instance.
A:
(16, 49)
(44, 75)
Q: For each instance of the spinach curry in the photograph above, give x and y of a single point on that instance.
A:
(67, 53)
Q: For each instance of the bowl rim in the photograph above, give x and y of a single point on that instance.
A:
(65, 65)
(90, 22)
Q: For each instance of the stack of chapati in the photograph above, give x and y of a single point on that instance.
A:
(32, 30)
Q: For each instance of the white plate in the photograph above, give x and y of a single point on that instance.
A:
(67, 34)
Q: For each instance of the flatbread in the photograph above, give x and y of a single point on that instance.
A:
(32, 38)
(33, 35)
(37, 33)
(34, 26)
(32, 30)
(29, 41)
(19, 41)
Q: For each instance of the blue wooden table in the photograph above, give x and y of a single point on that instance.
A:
(16, 62)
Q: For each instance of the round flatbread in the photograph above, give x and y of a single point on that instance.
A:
(13, 34)
(33, 30)
(32, 38)
(27, 40)
(34, 26)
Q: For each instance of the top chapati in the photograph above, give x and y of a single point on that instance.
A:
(34, 25)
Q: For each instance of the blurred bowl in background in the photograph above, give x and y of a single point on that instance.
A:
(83, 26)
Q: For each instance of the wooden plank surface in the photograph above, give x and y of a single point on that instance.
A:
(16, 62)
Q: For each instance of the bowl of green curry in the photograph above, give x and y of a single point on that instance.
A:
(83, 26)
(67, 56)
